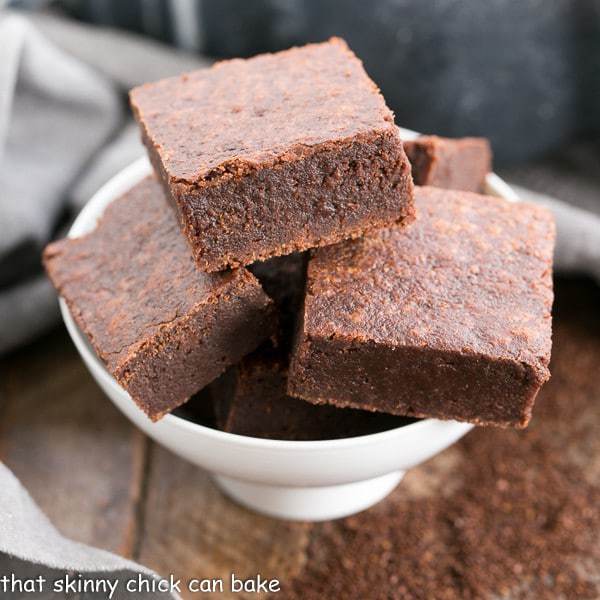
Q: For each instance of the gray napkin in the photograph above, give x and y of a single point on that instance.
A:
(573, 175)
(30, 547)
(54, 114)
(577, 235)
(64, 131)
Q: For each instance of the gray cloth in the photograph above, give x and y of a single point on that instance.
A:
(64, 131)
(577, 236)
(573, 175)
(48, 100)
(30, 547)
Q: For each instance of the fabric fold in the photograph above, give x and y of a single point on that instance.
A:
(31, 547)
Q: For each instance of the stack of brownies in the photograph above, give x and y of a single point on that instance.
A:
(281, 269)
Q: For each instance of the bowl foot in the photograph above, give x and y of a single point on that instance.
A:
(309, 503)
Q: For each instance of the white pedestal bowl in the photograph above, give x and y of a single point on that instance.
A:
(293, 480)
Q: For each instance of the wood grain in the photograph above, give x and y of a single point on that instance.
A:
(191, 529)
(78, 457)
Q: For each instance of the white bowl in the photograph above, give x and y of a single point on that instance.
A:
(309, 481)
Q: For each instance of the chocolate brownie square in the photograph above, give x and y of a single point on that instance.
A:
(454, 164)
(275, 154)
(250, 399)
(163, 328)
(449, 319)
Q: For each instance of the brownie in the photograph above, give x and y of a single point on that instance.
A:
(449, 319)
(454, 164)
(275, 154)
(163, 328)
(501, 514)
(250, 399)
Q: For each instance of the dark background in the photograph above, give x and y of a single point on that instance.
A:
(525, 73)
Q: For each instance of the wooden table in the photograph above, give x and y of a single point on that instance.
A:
(103, 482)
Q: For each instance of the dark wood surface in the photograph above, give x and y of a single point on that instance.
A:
(104, 483)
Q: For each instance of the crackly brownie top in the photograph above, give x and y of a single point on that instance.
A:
(133, 274)
(244, 112)
(472, 275)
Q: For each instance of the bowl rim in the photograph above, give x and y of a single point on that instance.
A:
(86, 221)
